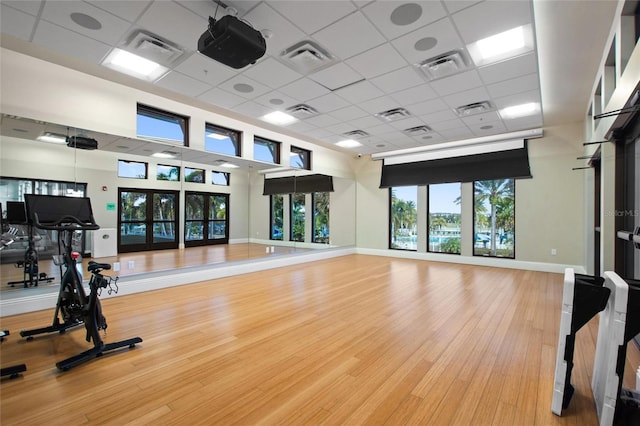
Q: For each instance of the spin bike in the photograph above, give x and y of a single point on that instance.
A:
(74, 307)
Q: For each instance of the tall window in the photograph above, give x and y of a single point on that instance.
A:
(444, 218)
(494, 218)
(164, 126)
(266, 150)
(320, 201)
(297, 216)
(403, 203)
(277, 217)
(300, 158)
(222, 140)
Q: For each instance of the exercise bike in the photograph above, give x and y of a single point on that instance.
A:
(74, 307)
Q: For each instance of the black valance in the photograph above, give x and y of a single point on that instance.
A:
(298, 184)
(513, 163)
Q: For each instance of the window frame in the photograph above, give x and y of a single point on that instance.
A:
(313, 220)
(168, 180)
(272, 218)
(390, 222)
(203, 173)
(265, 141)
(146, 169)
(162, 115)
(227, 177)
(429, 218)
(230, 133)
(292, 218)
(303, 154)
(473, 244)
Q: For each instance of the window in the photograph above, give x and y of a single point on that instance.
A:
(300, 158)
(494, 218)
(320, 201)
(403, 202)
(171, 173)
(193, 175)
(266, 150)
(220, 178)
(276, 217)
(444, 218)
(222, 140)
(297, 204)
(206, 219)
(132, 169)
(153, 123)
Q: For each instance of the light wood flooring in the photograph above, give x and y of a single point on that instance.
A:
(350, 340)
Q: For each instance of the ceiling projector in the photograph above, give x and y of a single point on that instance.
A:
(232, 42)
(82, 142)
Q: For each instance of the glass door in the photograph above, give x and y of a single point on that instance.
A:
(206, 219)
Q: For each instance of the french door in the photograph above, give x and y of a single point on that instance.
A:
(206, 219)
(147, 220)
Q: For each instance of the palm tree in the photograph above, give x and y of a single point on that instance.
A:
(493, 191)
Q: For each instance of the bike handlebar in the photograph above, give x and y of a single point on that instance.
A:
(66, 223)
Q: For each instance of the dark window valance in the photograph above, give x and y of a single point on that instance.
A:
(298, 184)
(513, 163)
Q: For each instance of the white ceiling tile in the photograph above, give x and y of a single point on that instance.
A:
(322, 121)
(457, 83)
(455, 5)
(111, 28)
(328, 102)
(432, 40)
(439, 116)
(221, 98)
(128, 10)
(276, 100)
(383, 103)
(349, 36)
(242, 6)
(285, 34)
(16, 23)
(523, 123)
(364, 122)
(359, 92)
(336, 76)
(407, 123)
(70, 43)
(481, 119)
(304, 89)
(272, 73)
(394, 18)
(414, 95)
(397, 80)
(443, 126)
(467, 97)
(377, 61)
(522, 65)
(319, 133)
(380, 129)
(206, 69)
(312, 15)
(32, 7)
(459, 133)
(240, 85)
(513, 86)
(340, 128)
(183, 84)
(348, 113)
(301, 126)
(518, 98)
(486, 129)
(491, 17)
(175, 23)
(252, 109)
(428, 107)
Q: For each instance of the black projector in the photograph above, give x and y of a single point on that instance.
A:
(81, 142)
(232, 42)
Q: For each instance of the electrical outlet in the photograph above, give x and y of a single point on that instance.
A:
(554, 252)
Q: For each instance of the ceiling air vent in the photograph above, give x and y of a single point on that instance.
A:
(302, 111)
(418, 130)
(307, 57)
(394, 114)
(474, 108)
(444, 65)
(154, 48)
(356, 134)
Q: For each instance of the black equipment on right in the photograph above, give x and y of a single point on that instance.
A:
(66, 215)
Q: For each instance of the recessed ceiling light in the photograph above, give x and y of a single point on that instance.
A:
(229, 165)
(163, 155)
(279, 118)
(348, 143)
(522, 110)
(52, 138)
(137, 66)
(505, 45)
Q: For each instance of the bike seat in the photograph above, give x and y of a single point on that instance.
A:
(95, 266)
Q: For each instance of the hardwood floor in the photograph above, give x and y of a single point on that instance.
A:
(350, 340)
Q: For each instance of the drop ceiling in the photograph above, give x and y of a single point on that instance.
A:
(373, 50)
